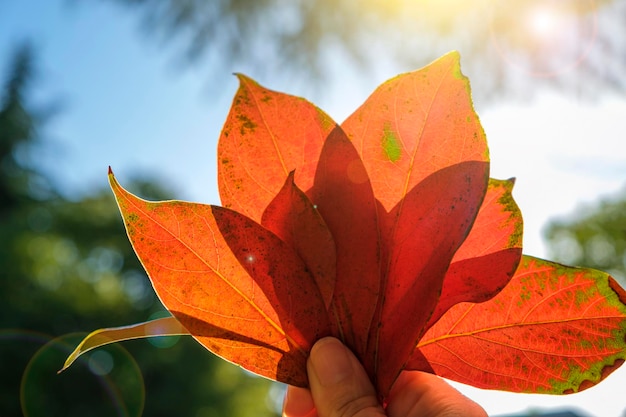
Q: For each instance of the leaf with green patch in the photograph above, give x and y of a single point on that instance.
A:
(414, 125)
(553, 329)
(266, 136)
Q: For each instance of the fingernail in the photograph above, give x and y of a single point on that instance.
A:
(331, 361)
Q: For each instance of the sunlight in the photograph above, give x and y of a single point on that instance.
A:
(543, 38)
(544, 22)
(440, 13)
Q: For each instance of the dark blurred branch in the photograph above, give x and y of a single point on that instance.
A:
(18, 121)
(296, 37)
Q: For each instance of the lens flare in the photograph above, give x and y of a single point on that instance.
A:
(543, 38)
(110, 379)
(544, 22)
(162, 342)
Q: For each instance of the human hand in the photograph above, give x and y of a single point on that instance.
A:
(340, 387)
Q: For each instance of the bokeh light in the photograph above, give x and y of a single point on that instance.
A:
(111, 371)
(162, 342)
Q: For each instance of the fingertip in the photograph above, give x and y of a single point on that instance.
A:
(331, 361)
(427, 395)
(298, 403)
(339, 384)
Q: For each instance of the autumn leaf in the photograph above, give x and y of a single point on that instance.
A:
(489, 256)
(343, 195)
(266, 136)
(236, 287)
(427, 157)
(415, 125)
(385, 232)
(164, 326)
(294, 219)
(553, 329)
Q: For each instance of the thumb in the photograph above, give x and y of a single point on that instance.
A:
(339, 384)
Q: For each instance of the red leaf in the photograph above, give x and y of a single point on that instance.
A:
(489, 256)
(553, 329)
(237, 288)
(431, 224)
(343, 196)
(266, 136)
(426, 154)
(293, 218)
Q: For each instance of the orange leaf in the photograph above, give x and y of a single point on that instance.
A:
(553, 329)
(266, 136)
(414, 125)
(238, 289)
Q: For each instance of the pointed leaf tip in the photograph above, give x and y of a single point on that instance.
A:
(294, 219)
(166, 326)
(243, 78)
(266, 135)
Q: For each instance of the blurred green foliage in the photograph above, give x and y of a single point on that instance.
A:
(594, 236)
(67, 265)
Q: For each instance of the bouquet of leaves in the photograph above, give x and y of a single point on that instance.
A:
(385, 232)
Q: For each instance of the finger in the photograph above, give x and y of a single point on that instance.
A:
(298, 403)
(426, 395)
(339, 384)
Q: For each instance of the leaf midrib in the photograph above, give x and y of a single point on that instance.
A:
(473, 333)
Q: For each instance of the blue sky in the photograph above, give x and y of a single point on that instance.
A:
(123, 101)
(127, 104)
(126, 101)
